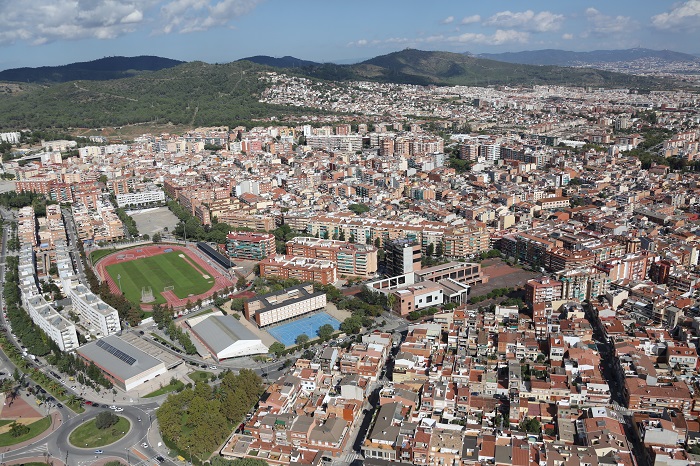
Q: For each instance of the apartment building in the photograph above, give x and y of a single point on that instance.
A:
(58, 328)
(552, 203)
(402, 256)
(302, 268)
(26, 226)
(101, 318)
(140, 198)
(350, 258)
(464, 242)
(283, 305)
(252, 246)
(542, 290)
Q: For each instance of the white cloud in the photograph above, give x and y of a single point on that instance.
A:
(50, 20)
(448, 20)
(471, 19)
(601, 24)
(544, 21)
(567, 36)
(500, 37)
(684, 16)
(199, 15)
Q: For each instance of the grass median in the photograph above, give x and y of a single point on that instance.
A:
(87, 435)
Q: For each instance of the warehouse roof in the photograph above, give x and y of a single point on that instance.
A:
(219, 332)
(119, 358)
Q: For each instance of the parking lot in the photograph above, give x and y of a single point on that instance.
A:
(150, 221)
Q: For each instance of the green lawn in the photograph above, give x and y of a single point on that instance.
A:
(159, 271)
(100, 253)
(166, 389)
(35, 429)
(4, 422)
(200, 376)
(89, 436)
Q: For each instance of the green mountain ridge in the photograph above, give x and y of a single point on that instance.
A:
(568, 58)
(95, 70)
(197, 93)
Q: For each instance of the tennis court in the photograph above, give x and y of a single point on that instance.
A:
(287, 333)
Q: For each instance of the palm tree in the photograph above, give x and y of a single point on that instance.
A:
(75, 401)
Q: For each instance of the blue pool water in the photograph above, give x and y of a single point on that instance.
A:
(288, 332)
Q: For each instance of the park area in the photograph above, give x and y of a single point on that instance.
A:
(288, 332)
(20, 421)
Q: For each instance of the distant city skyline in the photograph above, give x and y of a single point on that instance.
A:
(57, 32)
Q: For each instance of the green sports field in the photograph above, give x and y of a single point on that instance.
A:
(159, 271)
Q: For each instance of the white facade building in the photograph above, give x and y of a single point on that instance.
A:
(102, 318)
(141, 198)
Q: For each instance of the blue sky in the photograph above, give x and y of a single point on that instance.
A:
(55, 32)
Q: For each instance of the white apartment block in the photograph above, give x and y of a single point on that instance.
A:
(141, 198)
(56, 327)
(102, 318)
(12, 138)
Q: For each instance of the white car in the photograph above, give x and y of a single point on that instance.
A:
(112, 407)
(118, 410)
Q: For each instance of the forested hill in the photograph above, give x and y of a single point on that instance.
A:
(95, 70)
(445, 68)
(194, 93)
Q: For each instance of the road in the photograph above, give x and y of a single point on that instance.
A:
(611, 373)
(73, 242)
(56, 444)
(126, 448)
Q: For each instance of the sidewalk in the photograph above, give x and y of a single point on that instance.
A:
(154, 439)
(38, 459)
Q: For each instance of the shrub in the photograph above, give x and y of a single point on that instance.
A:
(105, 420)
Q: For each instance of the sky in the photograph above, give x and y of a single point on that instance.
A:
(55, 32)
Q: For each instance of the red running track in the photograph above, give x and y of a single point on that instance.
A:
(220, 281)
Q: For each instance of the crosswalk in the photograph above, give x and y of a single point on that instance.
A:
(347, 458)
(39, 449)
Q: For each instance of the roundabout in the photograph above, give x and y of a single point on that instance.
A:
(93, 434)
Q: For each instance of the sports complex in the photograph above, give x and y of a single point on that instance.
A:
(287, 333)
(164, 274)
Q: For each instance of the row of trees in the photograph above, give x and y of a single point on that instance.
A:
(164, 317)
(128, 221)
(36, 341)
(22, 325)
(197, 420)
